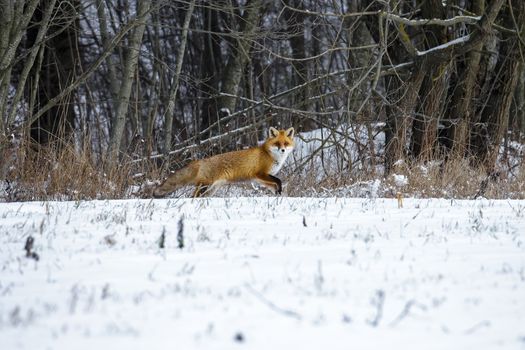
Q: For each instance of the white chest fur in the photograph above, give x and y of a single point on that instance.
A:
(279, 157)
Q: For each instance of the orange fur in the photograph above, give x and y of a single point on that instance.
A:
(257, 163)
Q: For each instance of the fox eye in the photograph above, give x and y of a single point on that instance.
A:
(286, 144)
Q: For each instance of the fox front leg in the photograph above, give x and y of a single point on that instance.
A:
(271, 182)
(278, 183)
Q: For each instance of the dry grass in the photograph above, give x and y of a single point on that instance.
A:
(66, 173)
(453, 179)
(61, 172)
(458, 179)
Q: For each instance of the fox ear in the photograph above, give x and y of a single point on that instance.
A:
(273, 132)
(290, 132)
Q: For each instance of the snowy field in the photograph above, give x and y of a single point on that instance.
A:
(263, 273)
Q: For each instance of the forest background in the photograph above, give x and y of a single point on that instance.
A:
(98, 96)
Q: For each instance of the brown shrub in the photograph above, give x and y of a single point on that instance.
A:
(62, 172)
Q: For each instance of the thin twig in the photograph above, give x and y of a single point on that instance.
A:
(271, 305)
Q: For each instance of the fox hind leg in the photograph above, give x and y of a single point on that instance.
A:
(200, 190)
(179, 178)
(211, 189)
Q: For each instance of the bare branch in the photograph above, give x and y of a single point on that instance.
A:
(432, 21)
(88, 72)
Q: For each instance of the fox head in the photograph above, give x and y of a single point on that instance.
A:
(280, 142)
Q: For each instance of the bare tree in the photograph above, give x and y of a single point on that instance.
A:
(14, 20)
(130, 63)
(240, 55)
(175, 82)
(59, 67)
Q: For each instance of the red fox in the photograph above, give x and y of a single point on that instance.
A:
(258, 163)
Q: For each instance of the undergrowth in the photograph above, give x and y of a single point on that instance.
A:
(63, 172)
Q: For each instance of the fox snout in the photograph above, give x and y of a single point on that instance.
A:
(279, 151)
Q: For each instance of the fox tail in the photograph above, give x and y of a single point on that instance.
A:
(180, 178)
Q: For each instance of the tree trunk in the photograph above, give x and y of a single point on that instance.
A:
(28, 65)
(456, 136)
(296, 28)
(14, 17)
(128, 73)
(489, 132)
(240, 56)
(175, 82)
(357, 35)
(401, 90)
(426, 123)
(60, 67)
(211, 64)
(425, 127)
(400, 119)
(518, 112)
(111, 63)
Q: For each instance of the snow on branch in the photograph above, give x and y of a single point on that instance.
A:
(431, 21)
(445, 46)
(388, 15)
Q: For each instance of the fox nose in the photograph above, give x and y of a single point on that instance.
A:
(282, 150)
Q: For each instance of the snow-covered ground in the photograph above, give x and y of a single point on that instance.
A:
(263, 273)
